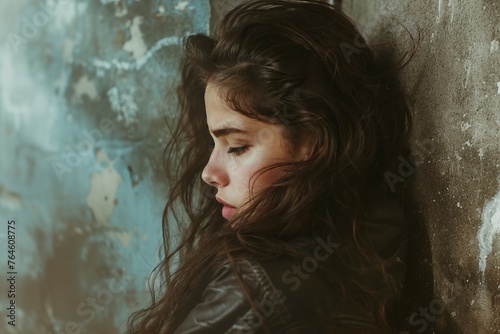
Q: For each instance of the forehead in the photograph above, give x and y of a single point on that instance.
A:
(223, 121)
(214, 104)
(218, 112)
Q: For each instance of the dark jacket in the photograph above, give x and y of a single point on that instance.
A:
(285, 290)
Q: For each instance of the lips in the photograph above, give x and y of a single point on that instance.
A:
(227, 210)
(223, 202)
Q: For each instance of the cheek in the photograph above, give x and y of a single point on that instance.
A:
(264, 179)
(247, 168)
(241, 177)
(244, 177)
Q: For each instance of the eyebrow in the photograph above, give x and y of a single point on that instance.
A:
(227, 130)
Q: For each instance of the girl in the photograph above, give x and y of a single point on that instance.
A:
(288, 123)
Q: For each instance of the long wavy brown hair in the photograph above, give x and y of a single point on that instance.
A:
(303, 66)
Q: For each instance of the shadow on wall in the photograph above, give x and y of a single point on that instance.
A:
(421, 311)
(454, 79)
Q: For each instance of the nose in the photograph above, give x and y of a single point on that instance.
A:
(213, 173)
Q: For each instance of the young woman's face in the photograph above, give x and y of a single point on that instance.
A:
(242, 146)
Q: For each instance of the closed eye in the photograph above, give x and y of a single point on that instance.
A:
(237, 150)
(232, 150)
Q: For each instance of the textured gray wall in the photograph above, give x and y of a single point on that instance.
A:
(455, 78)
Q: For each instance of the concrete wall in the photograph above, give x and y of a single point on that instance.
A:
(82, 132)
(455, 80)
(82, 129)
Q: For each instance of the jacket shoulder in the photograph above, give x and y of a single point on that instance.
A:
(224, 307)
(316, 304)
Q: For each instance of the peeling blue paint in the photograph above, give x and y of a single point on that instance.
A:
(88, 197)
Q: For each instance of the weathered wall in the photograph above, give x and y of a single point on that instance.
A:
(82, 132)
(455, 79)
